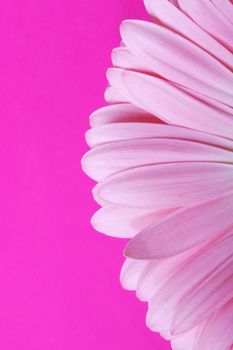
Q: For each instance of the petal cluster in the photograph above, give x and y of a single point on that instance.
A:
(162, 154)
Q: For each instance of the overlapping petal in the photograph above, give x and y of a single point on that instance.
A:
(162, 154)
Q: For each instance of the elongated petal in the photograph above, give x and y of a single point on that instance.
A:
(157, 274)
(123, 58)
(207, 16)
(120, 113)
(226, 7)
(105, 160)
(133, 131)
(179, 22)
(203, 272)
(178, 60)
(207, 100)
(217, 333)
(205, 298)
(118, 221)
(170, 103)
(131, 272)
(188, 339)
(186, 227)
(112, 95)
(167, 185)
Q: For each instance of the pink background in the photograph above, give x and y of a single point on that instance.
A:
(59, 278)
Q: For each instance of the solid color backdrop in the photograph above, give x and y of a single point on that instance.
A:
(59, 278)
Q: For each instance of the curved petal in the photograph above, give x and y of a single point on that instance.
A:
(178, 60)
(108, 159)
(120, 113)
(111, 95)
(123, 58)
(217, 333)
(176, 20)
(170, 104)
(188, 227)
(226, 7)
(206, 275)
(188, 339)
(133, 131)
(118, 221)
(204, 299)
(131, 272)
(207, 100)
(158, 273)
(165, 186)
(213, 21)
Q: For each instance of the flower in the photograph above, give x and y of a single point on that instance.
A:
(162, 154)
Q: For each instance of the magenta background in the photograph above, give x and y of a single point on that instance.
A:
(59, 278)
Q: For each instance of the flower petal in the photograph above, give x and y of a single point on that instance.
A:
(131, 272)
(207, 100)
(118, 221)
(217, 333)
(225, 6)
(188, 227)
(123, 58)
(111, 158)
(112, 95)
(170, 104)
(120, 113)
(178, 60)
(208, 17)
(200, 278)
(133, 131)
(157, 274)
(176, 20)
(204, 299)
(188, 339)
(163, 186)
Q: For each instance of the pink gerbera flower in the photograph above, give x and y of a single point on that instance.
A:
(162, 154)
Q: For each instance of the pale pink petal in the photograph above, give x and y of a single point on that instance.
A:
(131, 272)
(111, 95)
(217, 333)
(178, 60)
(176, 20)
(123, 58)
(120, 113)
(158, 273)
(164, 186)
(192, 279)
(207, 16)
(203, 300)
(118, 85)
(184, 229)
(226, 7)
(170, 104)
(118, 221)
(133, 131)
(207, 100)
(111, 158)
(188, 339)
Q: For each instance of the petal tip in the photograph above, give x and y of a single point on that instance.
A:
(112, 73)
(137, 249)
(129, 26)
(148, 6)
